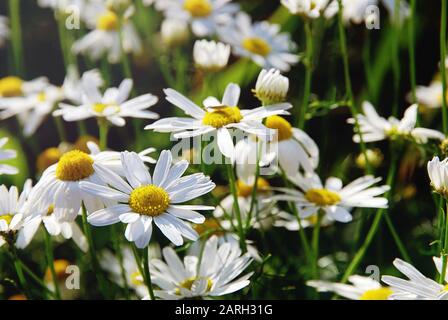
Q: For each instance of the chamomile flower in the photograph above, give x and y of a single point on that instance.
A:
(105, 38)
(375, 128)
(271, 87)
(438, 174)
(210, 56)
(219, 117)
(307, 8)
(15, 87)
(55, 226)
(7, 155)
(288, 221)
(362, 288)
(418, 287)
(289, 140)
(261, 42)
(143, 199)
(110, 263)
(333, 198)
(33, 108)
(59, 185)
(113, 105)
(430, 96)
(205, 16)
(73, 83)
(4, 30)
(174, 32)
(12, 211)
(213, 275)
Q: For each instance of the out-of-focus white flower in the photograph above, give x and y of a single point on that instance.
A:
(429, 96)
(7, 155)
(213, 275)
(333, 198)
(143, 199)
(308, 8)
(205, 16)
(112, 105)
(174, 32)
(63, 5)
(262, 42)
(105, 38)
(271, 87)
(438, 175)
(4, 30)
(210, 56)
(219, 117)
(362, 288)
(73, 84)
(375, 128)
(418, 287)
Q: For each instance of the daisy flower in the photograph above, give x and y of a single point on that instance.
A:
(430, 96)
(362, 288)
(105, 39)
(375, 128)
(4, 30)
(59, 185)
(205, 16)
(308, 8)
(219, 117)
(12, 211)
(214, 276)
(418, 287)
(110, 263)
(261, 42)
(210, 56)
(15, 87)
(7, 155)
(144, 199)
(332, 198)
(271, 87)
(73, 84)
(438, 174)
(289, 221)
(113, 105)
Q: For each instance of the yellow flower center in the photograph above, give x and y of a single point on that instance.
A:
(81, 143)
(136, 278)
(149, 200)
(41, 97)
(74, 165)
(100, 107)
(257, 46)
(222, 116)
(322, 197)
(50, 210)
(211, 226)
(11, 87)
(60, 267)
(377, 294)
(198, 8)
(107, 21)
(283, 127)
(47, 158)
(187, 284)
(245, 190)
(7, 218)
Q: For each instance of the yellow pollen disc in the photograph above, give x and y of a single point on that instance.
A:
(322, 197)
(376, 294)
(100, 107)
(74, 165)
(136, 278)
(283, 127)
(198, 8)
(257, 46)
(47, 158)
(60, 267)
(211, 226)
(107, 21)
(187, 284)
(149, 200)
(222, 116)
(11, 87)
(245, 190)
(312, 219)
(41, 97)
(7, 218)
(50, 210)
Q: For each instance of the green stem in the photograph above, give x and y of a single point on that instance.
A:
(50, 262)
(104, 130)
(315, 244)
(60, 128)
(308, 74)
(442, 65)
(93, 256)
(116, 240)
(396, 57)
(403, 252)
(445, 246)
(19, 271)
(411, 35)
(236, 206)
(16, 36)
(147, 273)
(254, 187)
